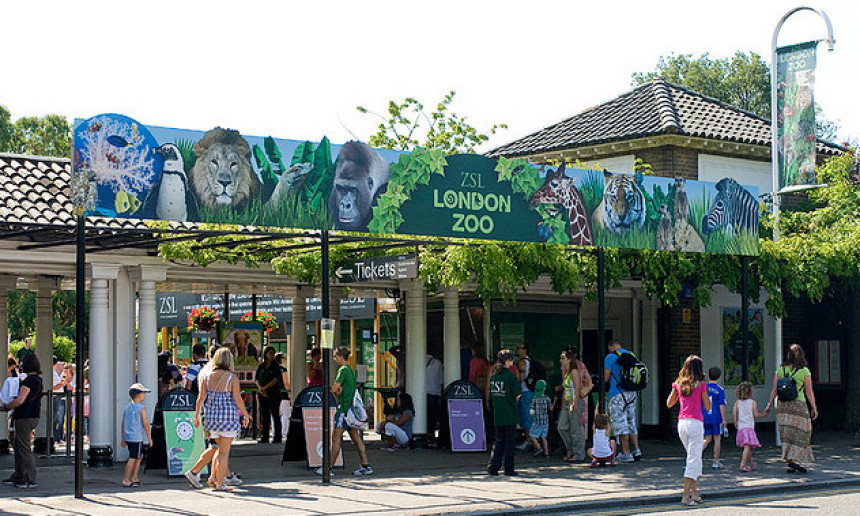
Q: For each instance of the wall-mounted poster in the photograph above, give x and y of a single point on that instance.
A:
(244, 339)
(222, 176)
(733, 346)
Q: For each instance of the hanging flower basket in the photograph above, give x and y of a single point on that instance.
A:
(203, 318)
(265, 318)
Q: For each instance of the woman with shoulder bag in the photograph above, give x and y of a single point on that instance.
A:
(691, 390)
(570, 418)
(792, 415)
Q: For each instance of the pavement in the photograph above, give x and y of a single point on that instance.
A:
(433, 482)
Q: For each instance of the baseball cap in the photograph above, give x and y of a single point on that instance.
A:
(137, 388)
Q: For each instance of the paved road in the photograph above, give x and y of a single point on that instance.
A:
(824, 502)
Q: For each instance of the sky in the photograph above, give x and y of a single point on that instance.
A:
(298, 70)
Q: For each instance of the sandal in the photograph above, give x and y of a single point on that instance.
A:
(222, 487)
(130, 484)
(135, 483)
(689, 503)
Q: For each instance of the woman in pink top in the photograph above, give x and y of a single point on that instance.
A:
(692, 391)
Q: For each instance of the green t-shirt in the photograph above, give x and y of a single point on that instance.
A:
(504, 389)
(799, 377)
(23, 352)
(346, 378)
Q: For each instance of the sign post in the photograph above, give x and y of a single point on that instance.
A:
(183, 441)
(379, 268)
(465, 417)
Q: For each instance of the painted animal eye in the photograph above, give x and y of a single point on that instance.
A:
(554, 183)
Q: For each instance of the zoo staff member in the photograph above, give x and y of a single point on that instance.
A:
(505, 393)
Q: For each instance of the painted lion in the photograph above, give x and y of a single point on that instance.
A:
(222, 174)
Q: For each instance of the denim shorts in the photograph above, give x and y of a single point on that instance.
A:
(538, 431)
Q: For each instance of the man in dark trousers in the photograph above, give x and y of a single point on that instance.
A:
(505, 394)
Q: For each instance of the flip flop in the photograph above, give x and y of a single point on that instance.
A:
(130, 484)
(135, 484)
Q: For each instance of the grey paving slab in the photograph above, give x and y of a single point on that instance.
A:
(425, 482)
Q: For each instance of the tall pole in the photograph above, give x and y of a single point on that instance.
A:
(326, 355)
(745, 308)
(601, 323)
(774, 151)
(80, 316)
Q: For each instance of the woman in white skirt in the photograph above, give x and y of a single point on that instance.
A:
(691, 390)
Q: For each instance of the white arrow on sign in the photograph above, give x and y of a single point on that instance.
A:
(341, 272)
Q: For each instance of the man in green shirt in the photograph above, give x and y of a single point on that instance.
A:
(505, 394)
(343, 388)
(25, 350)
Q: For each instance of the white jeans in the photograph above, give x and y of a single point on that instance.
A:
(392, 430)
(692, 434)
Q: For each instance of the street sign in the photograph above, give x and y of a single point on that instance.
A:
(381, 268)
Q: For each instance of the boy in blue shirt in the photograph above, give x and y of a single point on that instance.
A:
(715, 420)
(135, 428)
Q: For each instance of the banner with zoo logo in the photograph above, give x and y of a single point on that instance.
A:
(222, 176)
(795, 114)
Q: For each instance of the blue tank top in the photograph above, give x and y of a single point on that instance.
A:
(132, 430)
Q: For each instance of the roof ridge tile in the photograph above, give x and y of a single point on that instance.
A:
(669, 119)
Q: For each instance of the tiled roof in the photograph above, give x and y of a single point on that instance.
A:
(652, 109)
(34, 191)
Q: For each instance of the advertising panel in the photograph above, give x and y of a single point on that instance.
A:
(795, 114)
(222, 176)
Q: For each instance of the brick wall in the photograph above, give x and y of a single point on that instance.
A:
(684, 340)
(672, 161)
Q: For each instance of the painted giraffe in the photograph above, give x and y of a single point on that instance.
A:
(559, 189)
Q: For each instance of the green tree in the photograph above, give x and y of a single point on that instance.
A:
(5, 129)
(742, 80)
(402, 127)
(50, 135)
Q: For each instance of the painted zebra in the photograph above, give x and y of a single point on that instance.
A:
(734, 209)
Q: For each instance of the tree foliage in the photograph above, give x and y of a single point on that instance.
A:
(401, 128)
(742, 80)
(50, 135)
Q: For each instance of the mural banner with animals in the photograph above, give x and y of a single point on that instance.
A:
(795, 114)
(221, 176)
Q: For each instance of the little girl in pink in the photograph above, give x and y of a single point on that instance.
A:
(744, 413)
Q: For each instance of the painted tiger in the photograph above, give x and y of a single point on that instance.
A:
(734, 208)
(623, 204)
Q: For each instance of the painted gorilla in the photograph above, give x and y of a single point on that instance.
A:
(222, 174)
(360, 176)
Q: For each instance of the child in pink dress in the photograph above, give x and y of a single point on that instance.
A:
(744, 413)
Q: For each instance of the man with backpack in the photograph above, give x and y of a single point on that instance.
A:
(531, 371)
(620, 371)
(198, 362)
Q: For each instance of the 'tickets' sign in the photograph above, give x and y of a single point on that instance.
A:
(222, 176)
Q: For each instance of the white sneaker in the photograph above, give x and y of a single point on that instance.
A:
(193, 479)
(523, 446)
(717, 465)
(626, 459)
(319, 471)
(363, 471)
(233, 480)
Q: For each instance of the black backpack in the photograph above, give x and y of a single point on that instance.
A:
(536, 372)
(786, 387)
(634, 373)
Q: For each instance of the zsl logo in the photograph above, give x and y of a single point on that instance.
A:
(497, 387)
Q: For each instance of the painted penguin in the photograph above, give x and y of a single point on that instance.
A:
(170, 198)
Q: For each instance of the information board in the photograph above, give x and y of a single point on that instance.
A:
(466, 419)
(312, 418)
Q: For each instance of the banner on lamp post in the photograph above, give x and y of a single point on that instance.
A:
(795, 114)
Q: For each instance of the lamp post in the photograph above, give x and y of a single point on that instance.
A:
(84, 199)
(774, 151)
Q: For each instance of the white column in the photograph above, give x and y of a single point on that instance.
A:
(299, 343)
(147, 340)
(451, 344)
(6, 283)
(124, 324)
(101, 369)
(416, 351)
(45, 343)
(651, 398)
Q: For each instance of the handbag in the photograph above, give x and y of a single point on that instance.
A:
(356, 416)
